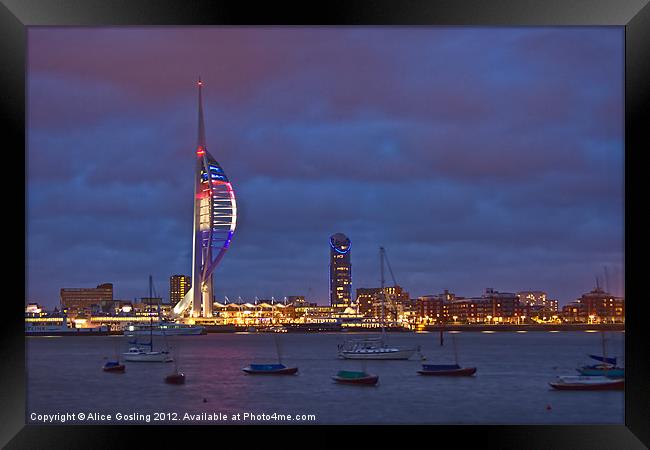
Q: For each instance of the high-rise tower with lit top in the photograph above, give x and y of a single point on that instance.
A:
(340, 271)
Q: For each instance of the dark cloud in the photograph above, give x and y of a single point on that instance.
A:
(478, 157)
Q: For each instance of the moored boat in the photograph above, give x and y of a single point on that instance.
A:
(446, 370)
(139, 354)
(606, 368)
(373, 348)
(588, 383)
(355, 377)
(376, 348)
(114, 366)
(602, 370)
(270, 369)
(175, 378)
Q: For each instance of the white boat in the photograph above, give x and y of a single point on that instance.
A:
(584, 379)
(587, 383)
(36, 329)
(373, 348)
(138, 354)
(164, 329)
(143, 351)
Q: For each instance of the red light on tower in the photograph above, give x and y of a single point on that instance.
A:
(200, 151)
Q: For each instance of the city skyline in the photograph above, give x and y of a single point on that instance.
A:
(477, 157)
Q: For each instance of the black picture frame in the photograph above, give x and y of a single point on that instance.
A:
(634, 15)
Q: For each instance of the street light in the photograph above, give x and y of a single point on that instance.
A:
(489, 318)
(454, 317)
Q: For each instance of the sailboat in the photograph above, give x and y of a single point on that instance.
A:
(599, 377)
(271, 369)
(587, 383)
(375, 348)
(360, 377)
(114, 365)
(447, 369)
(138, 352)
(606, 368)
(176, 377)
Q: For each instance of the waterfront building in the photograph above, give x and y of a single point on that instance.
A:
(179, 285)
(340, 272)
(215, 220)
(493, 307)
(434, 308)
(366, 298)
(257, 314)
(148, 304)
(540, 300)
(596, 306)
(467, 310)
(315, 314)
(298, 300)
(504, 306)
(396, 302)
(81, 301)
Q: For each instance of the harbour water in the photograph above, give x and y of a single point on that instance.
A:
(510, 386)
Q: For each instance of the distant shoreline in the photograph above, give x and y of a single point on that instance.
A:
(428, 329)
(529, 327)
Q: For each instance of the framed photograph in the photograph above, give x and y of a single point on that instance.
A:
(415, 220)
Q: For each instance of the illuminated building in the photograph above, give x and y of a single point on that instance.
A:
(594, 307)
(492, 307)
(366, 298)
(538, 299)
(502, 306)
(179, 285)
(148, 304)
(395, 302)
(215, 219)
(83, 300)
(434, 308)
(340, 271)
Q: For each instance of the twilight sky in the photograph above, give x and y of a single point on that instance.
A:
(479, 157)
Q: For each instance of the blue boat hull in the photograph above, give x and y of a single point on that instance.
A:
(610, 373)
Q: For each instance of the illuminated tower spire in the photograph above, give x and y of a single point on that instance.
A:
(215, 219)
(201, 142)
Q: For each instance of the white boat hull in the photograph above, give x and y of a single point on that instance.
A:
(147, 357)
(379, 353)
(585, 379)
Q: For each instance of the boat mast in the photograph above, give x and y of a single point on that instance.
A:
(277, 347)
(150, 316)
(606, 364)
(383, 291)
